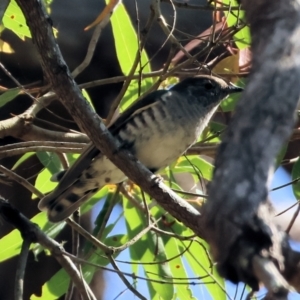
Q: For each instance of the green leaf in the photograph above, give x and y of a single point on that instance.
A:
(243, 37)
(43, 182)
(149, 248)
(126, 43)
(10, 244)
(14, 20)
(53, 165)
(58, 283)
(195, 165)
(116, 240)
(133, 92)
(126, 40)
(108, 195)
(229, 103)
(87, 206)
(201, 266)
(88, 98)
(8, 96)
(102, 214)
(215, 127)
(50, 160)
(280, 156)
(22, 159)
(177, 266)
(72, 158)
(50, 229)
(296, 175)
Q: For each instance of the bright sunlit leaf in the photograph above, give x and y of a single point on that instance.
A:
(296, 175)
(126, 43)
(22, 159)
(149, 248)
(14, 20)
(10, 244)
(242, 37)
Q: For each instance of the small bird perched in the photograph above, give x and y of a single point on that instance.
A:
(157, 130)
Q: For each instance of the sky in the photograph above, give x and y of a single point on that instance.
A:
(115, 289)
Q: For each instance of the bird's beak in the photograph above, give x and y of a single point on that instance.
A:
(231, 88)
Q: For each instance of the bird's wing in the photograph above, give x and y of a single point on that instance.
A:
(135, 108)
(90, 152)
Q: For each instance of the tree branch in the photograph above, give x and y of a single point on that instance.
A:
(245, 223)
(31, 231)
(22, 127)
(238, 215)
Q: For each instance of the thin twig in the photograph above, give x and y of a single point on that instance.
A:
(98, 244)
(108, 250)
(56, 126)
(91, 47)
(12, 175)
(124, 279)
(25, 226)
(155, 6)
(295, 215)
(161, 262)
(22, 127)
(202, 7)
(173, 235)
(161, 78)
(148, 215)
(135, 238)
(130, 75)
(63, 159)
(286, 184)
(20, 272)
(82, 261)
(287, 209)
(109, 211)
(19, 85)
(43, 143)
(75, 252)
(189, 193)
(19, 151)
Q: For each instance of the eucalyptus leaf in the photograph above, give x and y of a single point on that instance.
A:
(9, 95)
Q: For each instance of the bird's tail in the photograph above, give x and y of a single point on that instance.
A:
(60, 207)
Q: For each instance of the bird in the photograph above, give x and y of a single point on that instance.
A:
(157, 130)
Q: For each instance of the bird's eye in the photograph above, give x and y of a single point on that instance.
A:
(208, 86)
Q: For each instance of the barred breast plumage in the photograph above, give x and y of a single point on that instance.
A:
(157, 130)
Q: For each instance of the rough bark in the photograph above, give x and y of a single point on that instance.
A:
(238, 215)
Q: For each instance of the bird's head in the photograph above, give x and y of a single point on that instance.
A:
(208, 89)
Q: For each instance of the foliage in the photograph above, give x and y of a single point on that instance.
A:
(171, 258)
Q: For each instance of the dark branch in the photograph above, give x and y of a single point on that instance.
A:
(238, 215)
(32, 233)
